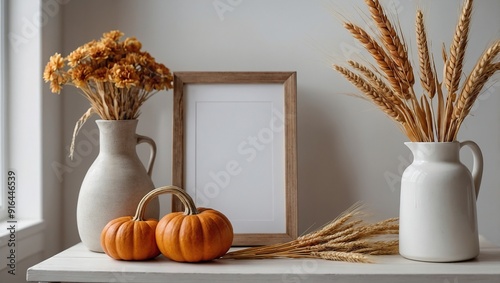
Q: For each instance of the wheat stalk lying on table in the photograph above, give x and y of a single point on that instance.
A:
(346, 238)
(389, 83)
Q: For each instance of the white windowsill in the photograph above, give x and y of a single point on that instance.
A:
(28, 239)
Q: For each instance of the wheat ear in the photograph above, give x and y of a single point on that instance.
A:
(453, 66)
(370, 92)
(392, 41)
(475, 82)
(381, 87)
(426, 72)
(381, 58)
(343, 256)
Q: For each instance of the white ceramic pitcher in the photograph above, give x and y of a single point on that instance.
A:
(438, 221)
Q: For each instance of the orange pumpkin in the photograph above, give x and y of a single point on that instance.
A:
(131, 238)
(197, 234)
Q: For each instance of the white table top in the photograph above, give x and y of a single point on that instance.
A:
(77, 264)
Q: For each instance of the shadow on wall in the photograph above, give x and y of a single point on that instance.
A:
(323, 181)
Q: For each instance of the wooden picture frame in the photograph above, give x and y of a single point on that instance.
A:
(235, 150)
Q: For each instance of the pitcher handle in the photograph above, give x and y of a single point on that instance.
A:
(152, 156)
(477, 167)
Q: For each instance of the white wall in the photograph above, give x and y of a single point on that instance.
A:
(346, 146)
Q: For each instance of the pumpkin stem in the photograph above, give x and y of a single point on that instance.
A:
(187, 201)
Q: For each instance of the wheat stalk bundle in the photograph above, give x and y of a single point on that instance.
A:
(346, 238)
(389, 83)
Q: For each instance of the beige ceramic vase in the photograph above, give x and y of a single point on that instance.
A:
(115, 182)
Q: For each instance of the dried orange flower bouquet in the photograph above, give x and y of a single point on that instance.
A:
(115, 76)
(389, 83)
